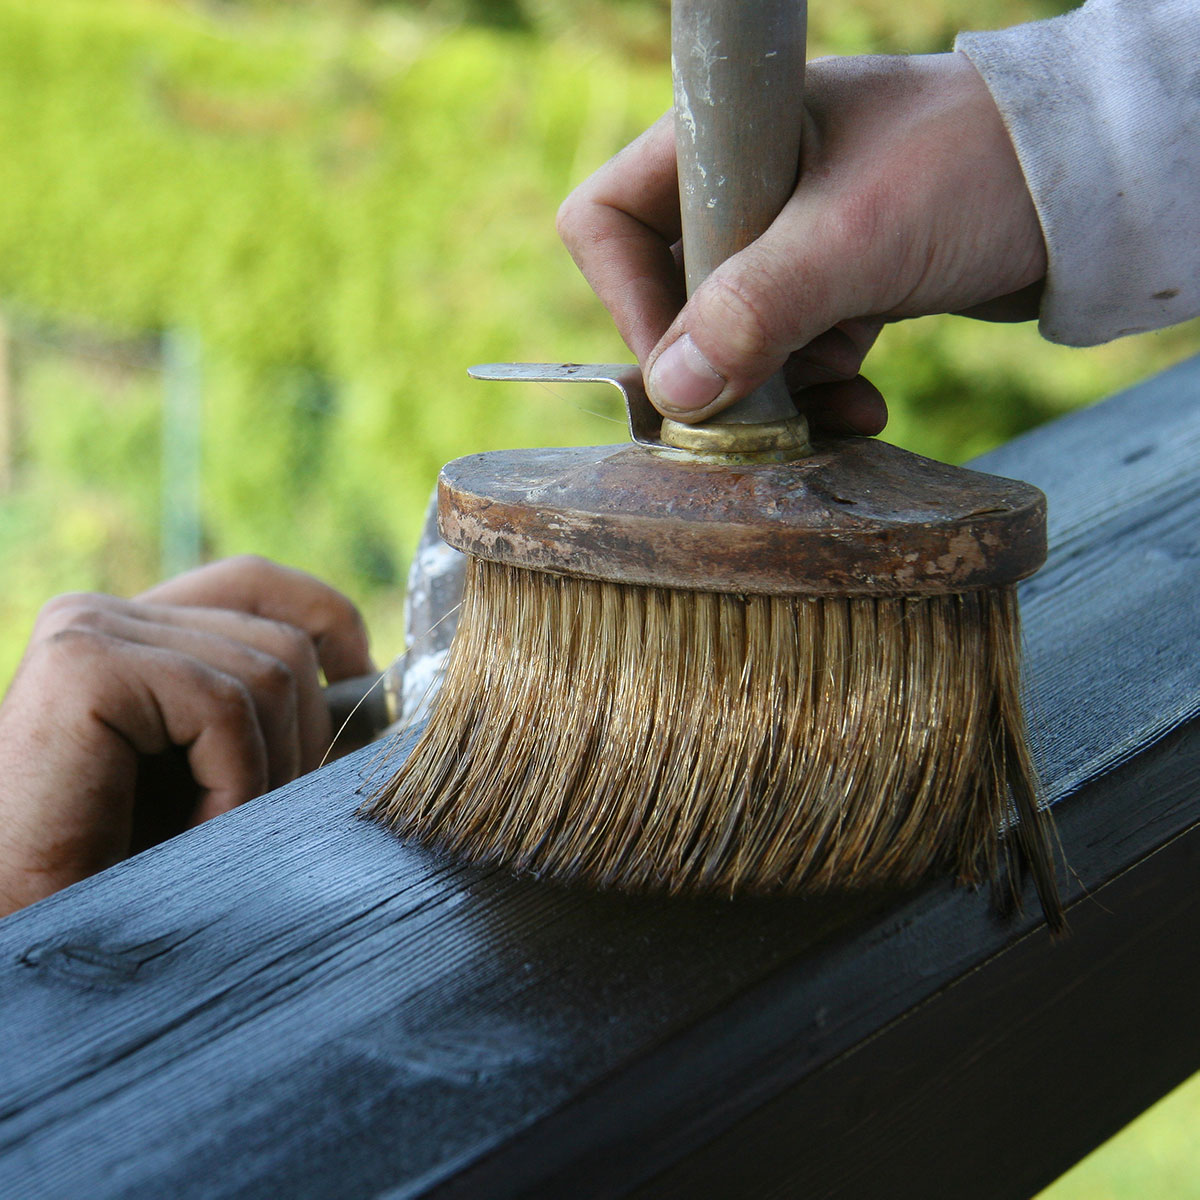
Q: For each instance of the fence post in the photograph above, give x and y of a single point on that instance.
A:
(182, 449)
(8, 408)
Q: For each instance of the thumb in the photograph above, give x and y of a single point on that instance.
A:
(741, 324)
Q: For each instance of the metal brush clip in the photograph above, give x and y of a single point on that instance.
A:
(645, 424)
(733, 443)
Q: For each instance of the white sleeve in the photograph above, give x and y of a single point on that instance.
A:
(1103, 106)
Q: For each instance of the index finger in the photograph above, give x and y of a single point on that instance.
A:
(254, 585)
(620, 226)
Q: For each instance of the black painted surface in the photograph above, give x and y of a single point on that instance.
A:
(287, 1001)
(1013, 1073)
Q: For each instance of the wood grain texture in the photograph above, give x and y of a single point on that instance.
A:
(288, 1001)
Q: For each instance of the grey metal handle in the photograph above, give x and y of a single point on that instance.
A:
(739, 84)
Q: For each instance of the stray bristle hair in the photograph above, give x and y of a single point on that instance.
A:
(643, 738)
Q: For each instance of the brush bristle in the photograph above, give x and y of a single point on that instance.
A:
(643, 738)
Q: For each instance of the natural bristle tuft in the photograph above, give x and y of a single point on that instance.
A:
(643, 738)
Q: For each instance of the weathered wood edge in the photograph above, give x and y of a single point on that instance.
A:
(999, 1083)
(940, 930)
(1092, 810)
(734, 1104)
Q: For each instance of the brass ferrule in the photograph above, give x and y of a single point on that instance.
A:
(737, 444)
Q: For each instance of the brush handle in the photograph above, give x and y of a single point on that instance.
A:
(739, 86)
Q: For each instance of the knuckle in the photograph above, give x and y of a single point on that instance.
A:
(70, 639)
(227, 696)
(564, 218)
(273, 677)
(249, 564)
(863, 216)
(342, 616)
(353, 616)
(66, 601)
(294, 646)
(569, 219)
(590, 227)
(73, 610)
(737, 309)
(67, 649)
(838, 353)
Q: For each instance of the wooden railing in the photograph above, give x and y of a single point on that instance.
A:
(289, 1002)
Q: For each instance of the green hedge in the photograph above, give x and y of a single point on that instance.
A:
(377, 213)
(346, 205)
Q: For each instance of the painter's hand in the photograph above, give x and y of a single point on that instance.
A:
(911, 201)
(128, 720)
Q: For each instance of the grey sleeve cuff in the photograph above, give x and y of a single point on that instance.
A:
(1103, 106)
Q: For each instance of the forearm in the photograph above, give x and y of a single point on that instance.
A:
(1104, 111)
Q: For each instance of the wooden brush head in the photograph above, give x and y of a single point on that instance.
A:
(857, 517)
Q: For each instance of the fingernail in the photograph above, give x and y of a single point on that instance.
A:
(682, 379)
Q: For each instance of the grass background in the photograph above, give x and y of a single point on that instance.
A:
(337, 207)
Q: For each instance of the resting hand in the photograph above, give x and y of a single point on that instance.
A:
(911, 201)
(128, 720)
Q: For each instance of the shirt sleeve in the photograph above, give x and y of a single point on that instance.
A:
(1103, 106)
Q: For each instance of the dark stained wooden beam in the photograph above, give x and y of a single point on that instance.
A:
(289, 1002)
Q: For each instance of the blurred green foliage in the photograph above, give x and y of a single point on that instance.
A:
(346, 207)
(1153, 1158)
(345, 204)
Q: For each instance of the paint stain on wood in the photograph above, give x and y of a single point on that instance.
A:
(459, 1057)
